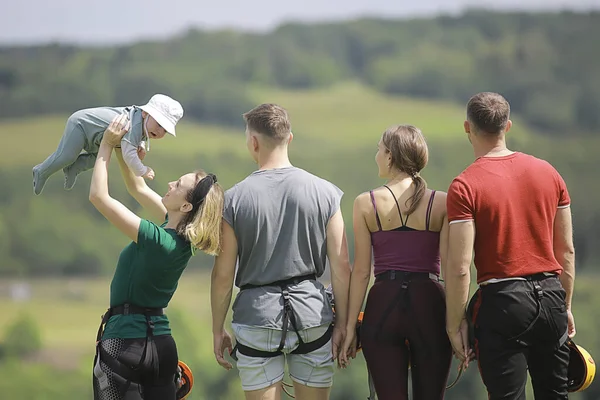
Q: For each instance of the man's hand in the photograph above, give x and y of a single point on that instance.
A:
(222, 341)
(337, 339)
(115, 131)
(572, 330)
(149, 174)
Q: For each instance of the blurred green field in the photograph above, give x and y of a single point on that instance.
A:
(316, 115)
(69, 309)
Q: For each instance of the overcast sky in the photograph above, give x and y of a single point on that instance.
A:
(117, 21)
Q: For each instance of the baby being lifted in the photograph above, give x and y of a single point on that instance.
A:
(84, 131)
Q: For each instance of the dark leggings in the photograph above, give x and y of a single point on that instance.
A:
(129, 352)
(395, 316)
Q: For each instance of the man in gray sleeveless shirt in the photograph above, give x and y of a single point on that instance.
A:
(281, 225)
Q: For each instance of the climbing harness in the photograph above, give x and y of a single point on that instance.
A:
(289, 317)
(148, 359)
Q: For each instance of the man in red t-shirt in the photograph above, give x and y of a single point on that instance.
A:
(513, 211)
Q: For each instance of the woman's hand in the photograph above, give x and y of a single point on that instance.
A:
(115, 131)
(348, 349)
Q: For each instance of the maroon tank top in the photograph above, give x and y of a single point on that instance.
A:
(404, 248)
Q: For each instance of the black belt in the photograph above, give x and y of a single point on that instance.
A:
(283, 282)
(540, 276)
(391, 275)
(288, 315)
(127, 309)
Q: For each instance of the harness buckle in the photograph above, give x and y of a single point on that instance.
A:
(539, 292)
(126, 309)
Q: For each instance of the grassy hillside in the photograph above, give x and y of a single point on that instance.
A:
(336, 132)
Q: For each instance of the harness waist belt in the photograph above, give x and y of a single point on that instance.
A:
(127, 309)
(535, 277)
(391, 275)
(540, 276)
(283, 282)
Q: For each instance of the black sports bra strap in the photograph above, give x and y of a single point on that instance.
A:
(397, 205)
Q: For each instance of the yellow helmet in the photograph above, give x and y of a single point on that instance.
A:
(184, 380)
(582, 368)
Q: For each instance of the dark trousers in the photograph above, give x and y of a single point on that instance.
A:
(129, 352)
(520, 326)
(405, 321)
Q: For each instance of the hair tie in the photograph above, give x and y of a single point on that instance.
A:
(202, 189)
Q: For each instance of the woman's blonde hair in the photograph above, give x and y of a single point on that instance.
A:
(202, 225)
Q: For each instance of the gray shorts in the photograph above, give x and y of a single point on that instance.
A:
(314, 369)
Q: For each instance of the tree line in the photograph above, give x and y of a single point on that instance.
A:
(545, 63)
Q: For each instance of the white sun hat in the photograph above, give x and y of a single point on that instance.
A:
(165, 110)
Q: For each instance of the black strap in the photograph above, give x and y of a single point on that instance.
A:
(391, 275)
(540, 276)
(288, 315)
(397, 206)
(128, 309)
(539, 294)
(282, 283)
(429, 208)
(303, 347)
(403, 295)
(128, 373)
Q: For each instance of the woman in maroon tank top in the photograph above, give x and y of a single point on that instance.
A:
(402, 227)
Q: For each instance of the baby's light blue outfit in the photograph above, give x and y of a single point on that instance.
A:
(83, 132)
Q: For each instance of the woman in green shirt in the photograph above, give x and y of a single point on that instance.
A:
(136, 356)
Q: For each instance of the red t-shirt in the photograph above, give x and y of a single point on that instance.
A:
(513, 201)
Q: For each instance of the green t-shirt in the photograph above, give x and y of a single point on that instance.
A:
(147, 275)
